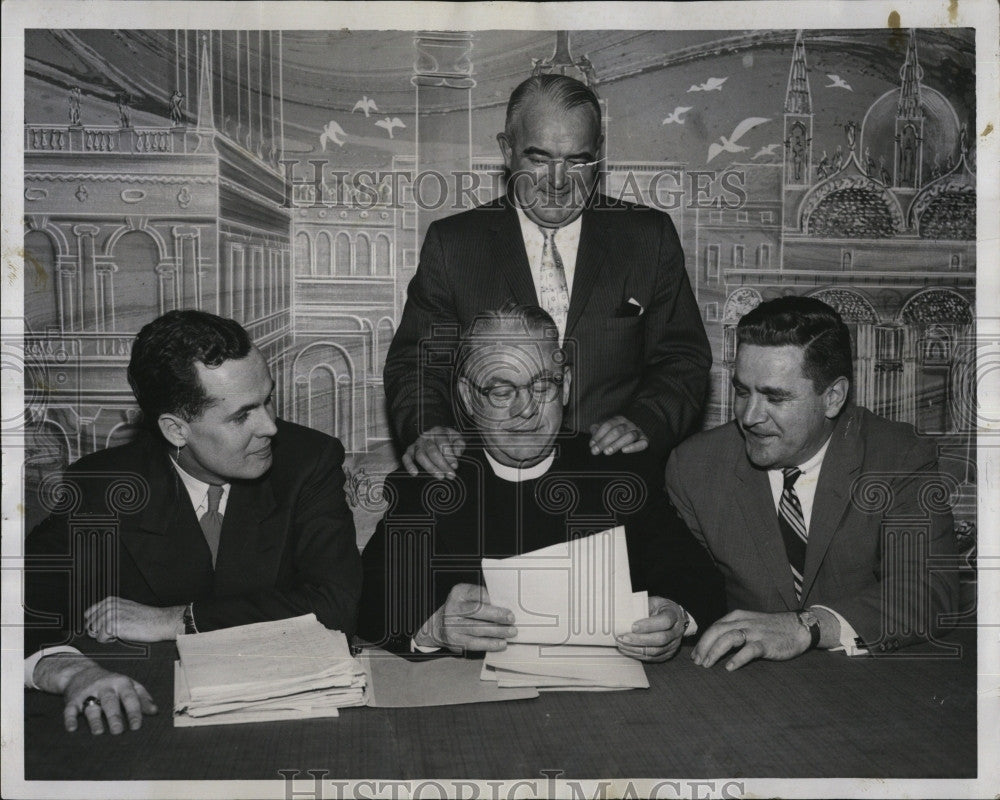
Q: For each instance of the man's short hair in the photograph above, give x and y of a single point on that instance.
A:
(162, 369)
(561, 91)
(513, 323)
(807, 323)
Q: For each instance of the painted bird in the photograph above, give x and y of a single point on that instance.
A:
(333, 133)
(711, 85)
(729, 145)
(675, 115)
(365, 104)
(389, 124)
(766, 150)
(838, 83)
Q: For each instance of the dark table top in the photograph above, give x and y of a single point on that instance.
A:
(911, 715)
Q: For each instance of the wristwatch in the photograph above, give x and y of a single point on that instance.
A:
(189, 626)
(809, 621)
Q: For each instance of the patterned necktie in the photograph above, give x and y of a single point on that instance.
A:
(211, 521)
(552, 281)
(793, 528)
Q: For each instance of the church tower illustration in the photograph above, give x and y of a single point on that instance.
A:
(909, 138)
(798, 131)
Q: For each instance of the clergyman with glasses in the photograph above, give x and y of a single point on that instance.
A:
(524, 482)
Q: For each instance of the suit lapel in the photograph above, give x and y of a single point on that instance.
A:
(753, 492)
(590, 257)
(509, 256)
(249, 528)
(167, 534)
(841, 464)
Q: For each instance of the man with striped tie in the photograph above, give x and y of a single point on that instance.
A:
(820, 514)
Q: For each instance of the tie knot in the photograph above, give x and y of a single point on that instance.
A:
(214, 496)
(791, 475)
(548, 233)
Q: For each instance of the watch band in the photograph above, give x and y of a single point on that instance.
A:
(808, 620)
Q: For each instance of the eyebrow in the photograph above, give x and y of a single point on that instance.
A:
(251, 406)
(770, 391)
(538, 151)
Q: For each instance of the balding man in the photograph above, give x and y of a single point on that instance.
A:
(610, 274)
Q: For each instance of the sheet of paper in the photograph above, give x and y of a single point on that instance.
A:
(394, 682)
(602, 666)
(577, 592)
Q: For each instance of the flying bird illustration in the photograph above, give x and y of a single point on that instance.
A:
(675, 115)
(838, 83)
(389, 124)
(766, 150)
(711, 85)
(333, 133)
(729, 145)
(365, 104)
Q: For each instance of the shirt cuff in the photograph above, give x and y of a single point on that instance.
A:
(417, 648)
(848, 636)
(691, 626)
(32, 661)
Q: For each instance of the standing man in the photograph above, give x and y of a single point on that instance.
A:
(611, 275)
(218, 515)
(796, 501)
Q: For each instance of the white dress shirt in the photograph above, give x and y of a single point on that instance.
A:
(805, 488)
(198, 492)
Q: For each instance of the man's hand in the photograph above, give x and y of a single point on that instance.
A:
(117, 618)
(776, 637)
(617, 434)
(77, 678)
(435, 451)
(657, 637)
(467, 621)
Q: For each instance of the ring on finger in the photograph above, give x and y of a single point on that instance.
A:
(90, 701)
(743, 636)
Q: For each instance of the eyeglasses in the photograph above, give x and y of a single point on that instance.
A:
(544, 389)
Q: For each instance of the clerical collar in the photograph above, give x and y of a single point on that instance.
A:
(517, 474)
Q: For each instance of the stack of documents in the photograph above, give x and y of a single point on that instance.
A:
(288, 669)
(569, 600)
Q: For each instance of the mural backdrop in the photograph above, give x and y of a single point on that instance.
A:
(286, 178)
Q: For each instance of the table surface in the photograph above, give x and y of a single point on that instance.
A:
(822, 715)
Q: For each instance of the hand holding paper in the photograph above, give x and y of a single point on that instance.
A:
(467, 621)
(658, 636)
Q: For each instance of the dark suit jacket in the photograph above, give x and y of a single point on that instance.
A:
(436, 533)
(878, 480)
(126, 527)
(652, 368)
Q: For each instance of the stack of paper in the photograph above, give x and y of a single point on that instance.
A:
(569, 601)
(288, 669)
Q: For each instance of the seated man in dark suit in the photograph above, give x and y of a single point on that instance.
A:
(821, 515)
(218, 515)
(524, 485)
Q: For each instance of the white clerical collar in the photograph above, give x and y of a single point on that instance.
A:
(517, 474)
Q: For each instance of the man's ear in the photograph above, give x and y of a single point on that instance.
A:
(567, 381)
(465, 394)
(174, 429)
(506, 149)
(835, 396)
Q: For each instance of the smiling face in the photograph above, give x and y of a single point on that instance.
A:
(515, 394)
(550, 154)
(231, 438)
(783, 419)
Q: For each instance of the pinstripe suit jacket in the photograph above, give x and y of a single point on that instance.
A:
(652, 368)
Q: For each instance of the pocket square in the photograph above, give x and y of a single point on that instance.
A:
(630, 308)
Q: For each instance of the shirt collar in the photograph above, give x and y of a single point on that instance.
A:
(529, 228)
(195, 488)
(517, 474)
(813, 464)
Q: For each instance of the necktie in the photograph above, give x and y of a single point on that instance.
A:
(211, 521)
(552, 281)
(793, 528)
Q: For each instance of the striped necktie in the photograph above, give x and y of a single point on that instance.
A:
(552, 282)
(793, 528)
(211, 521)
